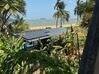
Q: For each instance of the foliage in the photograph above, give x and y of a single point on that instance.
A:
(19, 25)
(28, 62)
(51, 59)
(9, 9)
(61, 14)
(9, 46)
(84, 10)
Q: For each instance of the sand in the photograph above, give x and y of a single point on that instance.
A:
(49, 26)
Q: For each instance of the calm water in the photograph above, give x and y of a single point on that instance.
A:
(57, 31)
(43, 33)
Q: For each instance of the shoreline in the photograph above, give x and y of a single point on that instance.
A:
(37, 27)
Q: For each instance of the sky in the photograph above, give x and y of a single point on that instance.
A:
(36, 9)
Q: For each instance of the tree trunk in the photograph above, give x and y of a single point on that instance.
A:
(97, 64)
(88, 59)
(60, 22)
(56, 22)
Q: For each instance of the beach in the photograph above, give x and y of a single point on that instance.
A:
(36, 27)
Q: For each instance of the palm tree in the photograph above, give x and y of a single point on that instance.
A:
(90, 52)
(19, 24)
(8, 9)
(61, 14)
(56, 15)
(65, 17)
(59, 5)
(84, 11)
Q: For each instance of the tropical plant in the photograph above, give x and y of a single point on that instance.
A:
(19, 25)
(29, 61)
(50, 59)
(84, 10)
(8, 9)
(9, 46)
(60, 14)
